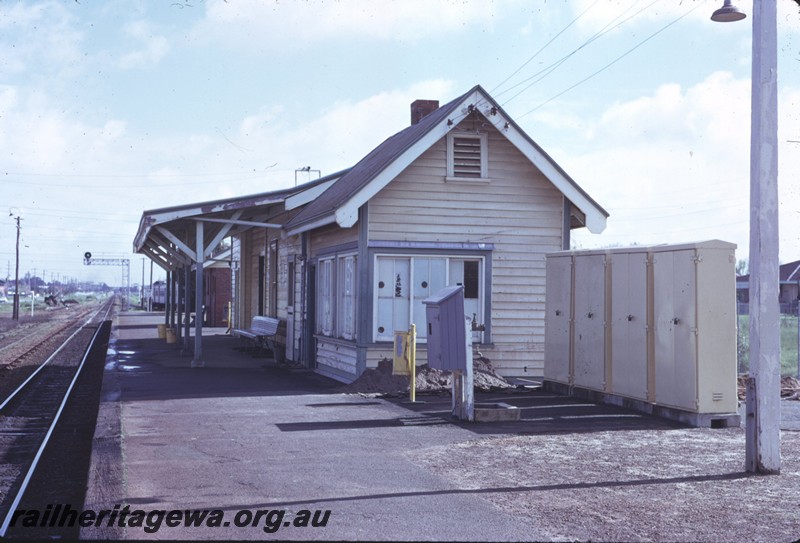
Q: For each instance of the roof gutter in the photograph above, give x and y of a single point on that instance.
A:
(325, 220)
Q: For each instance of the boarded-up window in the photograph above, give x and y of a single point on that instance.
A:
(291, 287)
(325, 304)
(402, 283)
(336, 291)
(346, 322)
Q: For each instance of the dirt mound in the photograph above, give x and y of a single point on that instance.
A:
(381, 381)
(790, 387)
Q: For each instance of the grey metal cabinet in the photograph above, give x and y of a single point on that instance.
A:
(558, 319)
(675, 326)
(629, 324)
(590, 321)
(695, 327)
(656, 324)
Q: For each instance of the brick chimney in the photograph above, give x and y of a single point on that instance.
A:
(421, 108)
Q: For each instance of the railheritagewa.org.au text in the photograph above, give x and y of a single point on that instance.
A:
(151, 521)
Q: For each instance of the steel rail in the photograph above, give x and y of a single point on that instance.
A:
(40, 451)
(45, 363)
(23, 338)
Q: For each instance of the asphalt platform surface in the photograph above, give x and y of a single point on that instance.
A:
(244, 436)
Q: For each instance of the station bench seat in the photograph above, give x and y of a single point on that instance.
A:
(261, 333)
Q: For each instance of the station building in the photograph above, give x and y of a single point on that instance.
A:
(462, 196)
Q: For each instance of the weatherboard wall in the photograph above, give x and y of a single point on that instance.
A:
(518, 211)
(335, 357)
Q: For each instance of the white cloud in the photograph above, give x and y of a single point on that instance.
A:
(247, 23)
(50, 38)
(331, 141)
(347, 132)
(674, 166)
(152, 47)
(713, 109)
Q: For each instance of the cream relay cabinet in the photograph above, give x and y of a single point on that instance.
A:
(652, 328)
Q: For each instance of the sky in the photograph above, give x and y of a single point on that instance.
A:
(109, 108)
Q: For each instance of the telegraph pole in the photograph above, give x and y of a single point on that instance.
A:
(15, 310)
(763, 444)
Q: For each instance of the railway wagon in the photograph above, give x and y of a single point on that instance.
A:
(158, 296)
(218, 293)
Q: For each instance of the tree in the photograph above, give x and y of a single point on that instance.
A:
(742, 267)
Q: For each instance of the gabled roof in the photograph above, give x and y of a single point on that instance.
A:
(787, 273)
(790, 272)
(168, 237)
(340, 203)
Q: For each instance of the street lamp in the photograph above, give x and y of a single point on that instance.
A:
(763, 438)
(728, 13)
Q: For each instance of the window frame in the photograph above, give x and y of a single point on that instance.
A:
(484, 295)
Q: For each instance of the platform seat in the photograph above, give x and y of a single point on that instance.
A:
(261, 333)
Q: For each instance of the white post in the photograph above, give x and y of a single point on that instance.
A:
(197, 361)
(469, 385)
(763, 453)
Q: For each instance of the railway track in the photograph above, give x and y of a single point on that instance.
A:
(30, 413)
(35, 338)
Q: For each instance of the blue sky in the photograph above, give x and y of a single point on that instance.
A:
(108, 108)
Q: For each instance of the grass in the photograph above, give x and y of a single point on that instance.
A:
(7, 309)
(788, 344)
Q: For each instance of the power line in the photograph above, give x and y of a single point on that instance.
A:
(681, 204)
(543, 48)
(140, 175)
(699, 227)
(629, 51)
(623, 218)
(143, 185)
(555, 65)
(68, 214)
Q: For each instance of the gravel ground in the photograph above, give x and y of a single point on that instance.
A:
(677, 485)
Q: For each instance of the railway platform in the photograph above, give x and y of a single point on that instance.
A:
(242, 434)
(269, 451)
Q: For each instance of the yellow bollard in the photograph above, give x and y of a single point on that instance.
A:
(405, 358)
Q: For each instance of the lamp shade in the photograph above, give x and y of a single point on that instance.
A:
(728, 13)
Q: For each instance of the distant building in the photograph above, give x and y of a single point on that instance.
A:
(789, 289)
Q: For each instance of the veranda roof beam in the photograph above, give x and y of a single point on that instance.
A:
(178, 243)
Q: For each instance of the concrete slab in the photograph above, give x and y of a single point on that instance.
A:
(135, 337)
